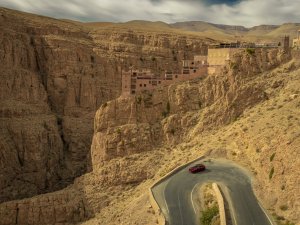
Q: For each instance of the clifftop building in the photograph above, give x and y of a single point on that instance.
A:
(136, 80)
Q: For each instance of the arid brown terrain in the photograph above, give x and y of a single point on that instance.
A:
(74, 151)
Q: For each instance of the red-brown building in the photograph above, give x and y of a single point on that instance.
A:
(136, 80)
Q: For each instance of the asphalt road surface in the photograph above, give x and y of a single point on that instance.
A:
(175, 195)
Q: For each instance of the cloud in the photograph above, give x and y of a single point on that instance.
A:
(237, 12)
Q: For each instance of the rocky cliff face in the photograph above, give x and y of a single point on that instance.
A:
(155, 50)
(51, 84)
(54, 76)
(63, 207)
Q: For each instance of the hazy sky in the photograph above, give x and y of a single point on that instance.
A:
(234, 12)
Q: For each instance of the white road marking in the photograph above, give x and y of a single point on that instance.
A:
(265, 213)
(233, 215)
(180, 208)
(164, 196)
(229, 200)
(192, 198)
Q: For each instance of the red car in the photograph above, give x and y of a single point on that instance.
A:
(197, 168)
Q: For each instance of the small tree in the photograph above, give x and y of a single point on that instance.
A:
(272, 157)
(271, 173)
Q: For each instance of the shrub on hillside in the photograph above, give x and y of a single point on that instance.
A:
(250, 51)
(271, 173)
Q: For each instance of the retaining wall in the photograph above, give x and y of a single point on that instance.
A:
(220, 203)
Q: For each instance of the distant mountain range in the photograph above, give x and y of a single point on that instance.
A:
(210, 30)
(205, 27)
(269, 30)
(199, 28)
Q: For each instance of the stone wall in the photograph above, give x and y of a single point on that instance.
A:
(220, 56)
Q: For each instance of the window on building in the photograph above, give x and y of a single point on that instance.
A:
(176, 76)
(149, 81)
(195, 71)
(159, 82)
(133, 92)
(141, 85)
(145, 85)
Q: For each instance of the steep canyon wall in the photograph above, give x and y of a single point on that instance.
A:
(54, 76)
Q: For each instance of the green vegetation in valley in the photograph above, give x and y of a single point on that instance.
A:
(208, 215)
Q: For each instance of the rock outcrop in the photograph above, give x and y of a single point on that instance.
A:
(60, 208)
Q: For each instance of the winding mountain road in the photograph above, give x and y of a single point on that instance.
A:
(175, 195)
